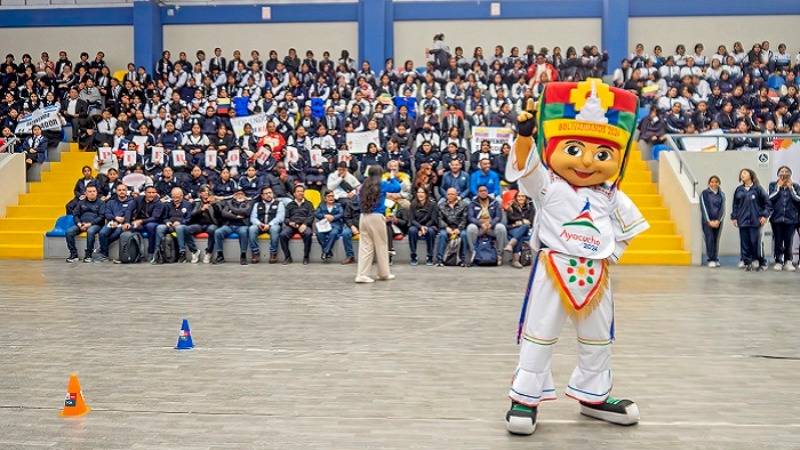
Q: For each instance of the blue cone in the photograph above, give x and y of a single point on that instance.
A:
(185, 337)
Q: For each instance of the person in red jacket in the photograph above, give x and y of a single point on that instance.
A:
(275, 140)
(541, 65)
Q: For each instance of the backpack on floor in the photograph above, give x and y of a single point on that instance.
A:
(485, 252)
(167, 251)
(130, 247)
(526, 254)
(451, 252)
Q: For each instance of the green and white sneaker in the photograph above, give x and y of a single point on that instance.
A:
(521, 419)
(613, 410)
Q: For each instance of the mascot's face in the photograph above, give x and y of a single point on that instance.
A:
(584, 162)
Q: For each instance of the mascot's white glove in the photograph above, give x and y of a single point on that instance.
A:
(619, 249)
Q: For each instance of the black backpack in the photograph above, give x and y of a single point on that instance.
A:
(130, 247)
(451, 252)
(526, 254)
(167, 251)
(485, 252)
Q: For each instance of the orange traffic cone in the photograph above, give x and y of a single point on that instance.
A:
(74, 405)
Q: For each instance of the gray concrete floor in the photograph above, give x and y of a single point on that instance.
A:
(286, 360)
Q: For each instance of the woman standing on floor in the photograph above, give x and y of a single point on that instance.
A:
(784, 197)
(712, 208)
(372, 224)
(750, 212)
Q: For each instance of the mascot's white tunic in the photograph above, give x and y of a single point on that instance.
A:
(576, 231)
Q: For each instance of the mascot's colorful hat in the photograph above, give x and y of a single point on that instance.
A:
(588, 109)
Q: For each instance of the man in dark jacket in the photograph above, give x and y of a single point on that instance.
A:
(146, 216)
(206, 218)
(299, 218)
(452, 214)
(176, 214)
(75, 111)
(235, 219)
(352, 214)
(88, 216)
(266, 217)
(117, 213)
(485, 217)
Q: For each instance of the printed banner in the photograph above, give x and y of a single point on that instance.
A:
(495, 135)
(358, 142)
(787, 153)
(47, 118)
(258, 121)
(141, 143)
(262, 156)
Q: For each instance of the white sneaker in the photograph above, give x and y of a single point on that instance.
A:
(712, 264)
(716, 263)
(789, 267)
(207, 258)
(363, 279)
(195, 256)
(777, 267)
(740, 265)
(387, 277)
(756, 265)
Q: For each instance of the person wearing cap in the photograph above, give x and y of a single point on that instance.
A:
(235, 219)
(584, 221)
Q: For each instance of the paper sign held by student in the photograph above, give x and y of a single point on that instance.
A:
(315, 155)
(234, 158)
(179, 158)
(358, 142)
(292, 156)
(104, 153)
(157, 154)
(344, 155)
(262, 156)
(323, 226)
(211, 159)
(141, 143)
(129, 158)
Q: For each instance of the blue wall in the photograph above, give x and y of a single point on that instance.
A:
(376, 17)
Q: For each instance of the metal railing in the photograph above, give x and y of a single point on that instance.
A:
(683, 168)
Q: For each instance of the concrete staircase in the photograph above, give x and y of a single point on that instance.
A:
(661, 244)
(22, 230)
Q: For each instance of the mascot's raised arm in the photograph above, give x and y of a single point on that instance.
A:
(583, 222)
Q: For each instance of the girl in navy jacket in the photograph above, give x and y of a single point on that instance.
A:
(712, 208)
(784, 197)
(751, 209)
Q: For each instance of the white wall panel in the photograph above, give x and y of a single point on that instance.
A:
(115, 41)
(412, 37)
(334, 37)
(714, 31)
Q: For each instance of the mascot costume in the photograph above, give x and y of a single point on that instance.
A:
(583, 223)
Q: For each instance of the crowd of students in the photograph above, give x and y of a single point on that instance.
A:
(172, 127)
(753, 207)
(737, 91)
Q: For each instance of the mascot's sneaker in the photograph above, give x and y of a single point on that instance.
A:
(620, 412)
(521, 419)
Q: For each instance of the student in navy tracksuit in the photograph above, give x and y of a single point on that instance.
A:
(88, 216)
(712, 208)
(750, 212)
(784, 197)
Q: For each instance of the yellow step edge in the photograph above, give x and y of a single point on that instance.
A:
(22, 251)
(26, 224)
(21, 238)
(657, 257)
(657, 242)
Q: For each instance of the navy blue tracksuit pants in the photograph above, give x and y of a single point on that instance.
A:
(750, 244)
(711, 236)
